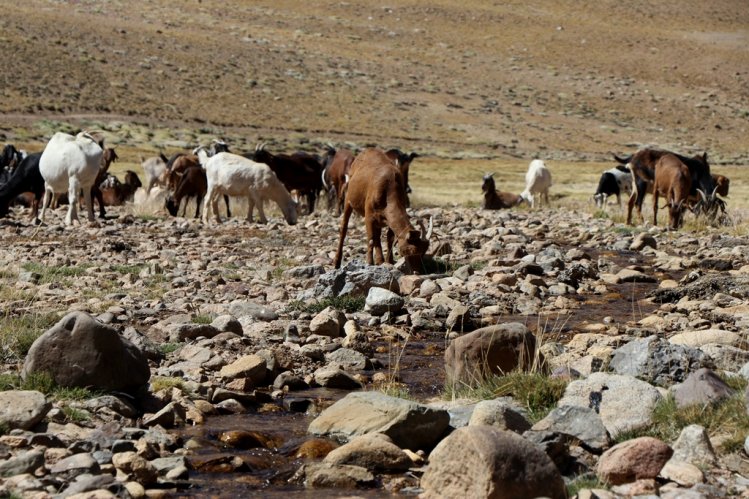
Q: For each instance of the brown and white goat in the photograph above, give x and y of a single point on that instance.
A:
(116, 193)
(377, 191)
(672, 181)
(336, 175)
(190, 182)
(497, 200)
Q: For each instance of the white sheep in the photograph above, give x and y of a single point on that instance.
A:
(233, 175)
(537, 181)
(69, 164)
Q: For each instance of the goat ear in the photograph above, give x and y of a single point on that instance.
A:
(413, 156)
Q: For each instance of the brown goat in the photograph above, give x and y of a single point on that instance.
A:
(722, 184)
(192, 182)
(672, 181)
(338, 173)
(116, 193)
(377, 191)
(497, 200)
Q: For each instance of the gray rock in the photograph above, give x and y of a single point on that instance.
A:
(329, 322)
(26, 462)
(75, 465)
(228, 324)
(625, 404)
(726, 357)
(408, 424)
(490, 350)
(701, 387)
(693, 446)
(354, 279)
(338, 476)
(582, 423)
(22, 409)
(304, 272)
(643, 240)
(190, 331)
(87, 482)
(482, 461)
(655, 360)
(459, 320)
(334, 376)
(380, 301)
(373, 451)
(500, 414)
(241, 308)
(80, 352)
(350, 359)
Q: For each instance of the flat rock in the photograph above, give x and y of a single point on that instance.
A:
(632, 460)
(22, 409)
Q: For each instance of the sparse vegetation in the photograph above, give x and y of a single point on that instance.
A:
(159, 383)
(202, 319)
(18, 332)
(535, 391)
(348, 304)
(728, 418)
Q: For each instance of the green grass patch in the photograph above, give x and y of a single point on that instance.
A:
(581, 482)
(728, 417)
(348, 304)
(159, 383)
(18, 333)
(50, 274)
(74, 415)
(202, 319)
(128, 269)
(536, 392)
(167, 348)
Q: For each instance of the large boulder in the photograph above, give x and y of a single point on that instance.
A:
(354, 279)
(582, 423)
(700, 388)
(490, 350)
(623, 402)
(657, 361)
(373, 451)
(486, 462)
(79, 351)
(408, 424)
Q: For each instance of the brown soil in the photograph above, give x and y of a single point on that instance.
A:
(565, 79)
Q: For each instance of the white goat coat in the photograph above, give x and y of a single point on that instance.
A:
(537, 181)
(154, 169)
(233, 175)
(69, 164)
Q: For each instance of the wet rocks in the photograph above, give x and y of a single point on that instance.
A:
(408, 424)
(373, 451)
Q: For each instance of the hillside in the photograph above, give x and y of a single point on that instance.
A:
(569, 79)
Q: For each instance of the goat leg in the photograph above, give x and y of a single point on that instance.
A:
(342, 235)
(390, 237)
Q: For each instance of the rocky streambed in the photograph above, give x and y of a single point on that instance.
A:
(232, 360)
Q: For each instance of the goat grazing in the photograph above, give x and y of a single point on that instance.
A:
(26, 178)
(11, 157)
(70, 164)
(234, 175)
(537, 182)
(107, 158)
(672, 181)
(301, 172)
(613, 182)
(191, 183)
(497, 200)
(377, 191)
(643, 166)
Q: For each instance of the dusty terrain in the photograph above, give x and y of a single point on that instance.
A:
(567, 79)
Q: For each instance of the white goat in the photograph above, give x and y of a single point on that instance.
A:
(154, 169)
(537, 181)
(69, 164)
(233, 175)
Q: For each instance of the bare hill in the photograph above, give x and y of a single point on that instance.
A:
(571, 79)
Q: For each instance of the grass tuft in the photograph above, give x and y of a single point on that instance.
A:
(159, 383)
(537, 392)
(348, 304)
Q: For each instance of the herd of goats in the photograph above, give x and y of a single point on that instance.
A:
(372, 182)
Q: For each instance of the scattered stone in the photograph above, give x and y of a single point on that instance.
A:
(701, 387)
(640, 458)
(380, 301)
(22, 409)
(499, 414)
(582, 423)
(482, 461)
(373, 451)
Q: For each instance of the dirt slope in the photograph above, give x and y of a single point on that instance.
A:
(571, 79)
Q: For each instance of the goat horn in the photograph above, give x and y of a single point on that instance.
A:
(702, 195)
(715, 191)
(427, 234)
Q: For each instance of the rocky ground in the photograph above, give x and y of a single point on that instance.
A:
(240, 337)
